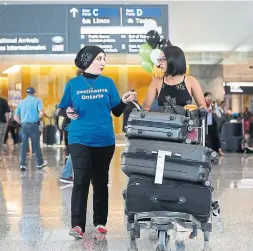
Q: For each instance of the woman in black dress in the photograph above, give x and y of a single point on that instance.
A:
(175, 88)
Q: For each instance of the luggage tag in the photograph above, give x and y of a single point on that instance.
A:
(160, 165)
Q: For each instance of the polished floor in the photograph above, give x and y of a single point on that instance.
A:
(35, 208)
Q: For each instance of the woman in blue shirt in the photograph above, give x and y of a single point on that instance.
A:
(88, 101)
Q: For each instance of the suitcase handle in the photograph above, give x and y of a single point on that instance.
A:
(164, 199)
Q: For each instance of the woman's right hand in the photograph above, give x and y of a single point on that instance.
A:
(71, 114)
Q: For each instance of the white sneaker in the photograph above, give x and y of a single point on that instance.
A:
(42, 166)
(22, 168)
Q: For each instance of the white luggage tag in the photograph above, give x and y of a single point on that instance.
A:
(160, 165)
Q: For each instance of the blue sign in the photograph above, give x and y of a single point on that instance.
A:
(100, 16)
(100, 12)
(143, 12)
(65, 29)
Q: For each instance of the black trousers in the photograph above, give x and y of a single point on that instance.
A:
(66, 143)
(90, 164)
(13, 134)
(213, 140)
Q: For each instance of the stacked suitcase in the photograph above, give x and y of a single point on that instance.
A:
(167, 165)
(231, 137)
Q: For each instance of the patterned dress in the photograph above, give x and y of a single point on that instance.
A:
(172, 95)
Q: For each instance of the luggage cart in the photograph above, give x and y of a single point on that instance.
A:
(163, 221)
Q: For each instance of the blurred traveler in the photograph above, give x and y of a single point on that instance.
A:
(29, 113)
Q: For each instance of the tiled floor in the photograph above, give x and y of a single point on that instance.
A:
(35, 208)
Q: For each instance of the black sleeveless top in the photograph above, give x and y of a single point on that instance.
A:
(171, 95)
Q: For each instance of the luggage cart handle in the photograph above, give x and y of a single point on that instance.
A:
(203, 115)
(203, 130)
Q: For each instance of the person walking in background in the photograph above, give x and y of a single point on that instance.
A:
(89, 99)
(11, 127)
(29, 113)
(246, 113)
(4, 118)
(220, 117)
(222, 108)
(213, 140)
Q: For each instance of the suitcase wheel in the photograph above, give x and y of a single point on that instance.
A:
(206, 236)
(163, 240)
(188, 141)
(214, 154)
(208, 183)
(190, 128)
(214, 161)
(191, 122)
(132, 234)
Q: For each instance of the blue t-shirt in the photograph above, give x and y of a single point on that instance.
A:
(28, 109)
(94, 126)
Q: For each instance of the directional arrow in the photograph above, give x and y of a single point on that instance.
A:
(74, 11)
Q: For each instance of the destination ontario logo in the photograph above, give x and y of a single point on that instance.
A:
(58, 45)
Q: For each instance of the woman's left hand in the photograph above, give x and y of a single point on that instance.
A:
(129, 97)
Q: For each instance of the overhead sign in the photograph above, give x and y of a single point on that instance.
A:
(64, 29)
(238, 87)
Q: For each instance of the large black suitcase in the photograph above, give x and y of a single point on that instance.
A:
(231, 144)
(183, 162)
(49, 133)
(158, 125)
(230, 130)
(143, 195)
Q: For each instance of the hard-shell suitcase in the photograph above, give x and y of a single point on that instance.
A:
(49, 133)
(168, 160)
(158, 125)
(143, 195)
(162, 126)
(231, 144)
(231, 130)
